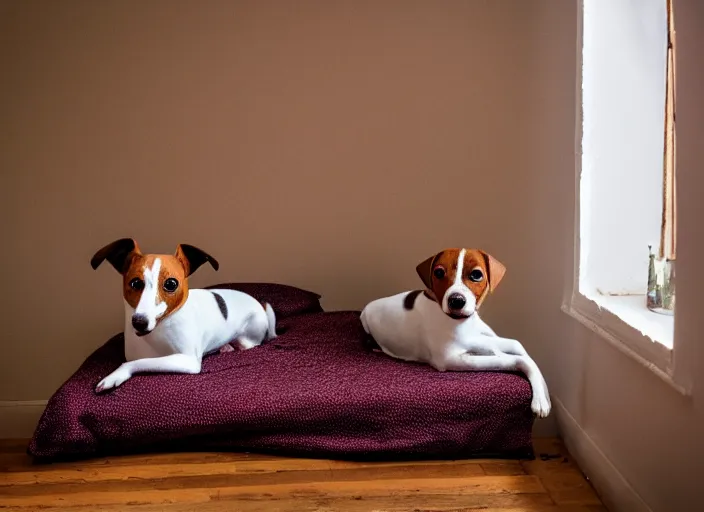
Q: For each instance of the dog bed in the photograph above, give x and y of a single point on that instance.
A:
(315, 391)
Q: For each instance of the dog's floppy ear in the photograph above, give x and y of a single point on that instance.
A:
(424, 269)
(118, 253)
(495, 269)
(191, 258)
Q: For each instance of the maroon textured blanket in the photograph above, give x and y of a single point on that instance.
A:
(314, 391)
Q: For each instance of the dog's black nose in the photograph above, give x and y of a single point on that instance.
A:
(140, 323)
(456, 301)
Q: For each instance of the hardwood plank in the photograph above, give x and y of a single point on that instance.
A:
(557, 461)
(480, 485)
(562, 478)
(210, 475)
(503, 468)
(19, 461)
(511, 503)
(569, 488)
(394, 503)
(77, 472)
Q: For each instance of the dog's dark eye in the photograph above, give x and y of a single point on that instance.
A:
(137, 284)
(476, 275)
(439, 272)
(170, 284)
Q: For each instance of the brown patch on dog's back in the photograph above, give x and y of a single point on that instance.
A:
(410, 299)
(221, 304)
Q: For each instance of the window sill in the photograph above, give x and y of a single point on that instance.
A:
(626, 324)
(632, 310)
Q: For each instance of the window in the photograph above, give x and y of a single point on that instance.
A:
(668, 234)
(626, 203)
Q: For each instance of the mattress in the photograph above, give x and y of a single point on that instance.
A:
(316, 390)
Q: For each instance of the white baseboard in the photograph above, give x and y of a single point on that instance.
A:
(19, 418)
(613, 489)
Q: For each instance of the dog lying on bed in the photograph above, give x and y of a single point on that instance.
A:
(169, 328)
(441, 326)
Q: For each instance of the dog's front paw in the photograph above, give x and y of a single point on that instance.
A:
(113, 380)
(541, 403)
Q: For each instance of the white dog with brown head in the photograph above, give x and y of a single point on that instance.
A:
(440, 325)
(169, 327)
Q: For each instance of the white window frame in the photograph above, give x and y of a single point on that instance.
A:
(654, 356)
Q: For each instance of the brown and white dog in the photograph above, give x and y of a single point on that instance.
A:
(441, 326)
(169, 328)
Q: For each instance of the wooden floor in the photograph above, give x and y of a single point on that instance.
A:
(205, 482)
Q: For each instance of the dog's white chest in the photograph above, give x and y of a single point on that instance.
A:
(174, 335)
(186, 331)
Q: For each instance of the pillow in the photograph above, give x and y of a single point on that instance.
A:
(286, 300)
(314, 391)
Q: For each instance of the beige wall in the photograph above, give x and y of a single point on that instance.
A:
(329, 145)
